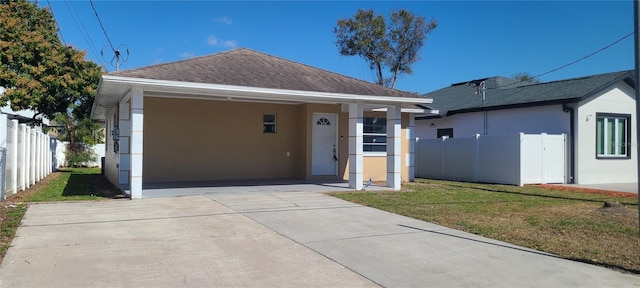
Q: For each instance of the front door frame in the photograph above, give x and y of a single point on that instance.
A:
(337, 148)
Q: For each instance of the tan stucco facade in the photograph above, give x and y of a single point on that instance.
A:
(204, 140)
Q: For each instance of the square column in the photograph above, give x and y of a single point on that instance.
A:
(411, 156)
(394, 132)
(124, 152)
(136, 145)
(355, 146)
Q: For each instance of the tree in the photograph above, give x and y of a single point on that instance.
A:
(525, 77)
(37, 71)
(394, 44)
(81, 134)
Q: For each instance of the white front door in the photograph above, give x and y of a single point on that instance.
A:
(324, 155)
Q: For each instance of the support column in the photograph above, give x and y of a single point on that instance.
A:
(394, 133)
(137, 117)
(124, 152)
(411, 156)
(356, 162)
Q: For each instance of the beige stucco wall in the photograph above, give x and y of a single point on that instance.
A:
(197, 140)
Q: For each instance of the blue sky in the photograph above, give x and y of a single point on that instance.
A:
(474, 39)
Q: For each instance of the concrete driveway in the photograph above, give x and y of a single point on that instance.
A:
(289, 239)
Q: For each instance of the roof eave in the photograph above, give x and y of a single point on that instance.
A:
(626, 77)
(180, 89)
(515, 105)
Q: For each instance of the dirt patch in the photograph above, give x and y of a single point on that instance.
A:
(23, 195)
(588, 190)
(615, 208)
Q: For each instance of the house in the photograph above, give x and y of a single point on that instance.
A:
(244, 115)
(597, 113)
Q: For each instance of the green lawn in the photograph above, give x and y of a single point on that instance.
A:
(571, 224)
(74, 184)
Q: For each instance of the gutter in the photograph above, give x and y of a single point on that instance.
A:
(572, 155)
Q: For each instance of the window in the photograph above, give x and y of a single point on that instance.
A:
(268, 123)
(323, 121)
(448, 132)
(374, 136)
(613, 133)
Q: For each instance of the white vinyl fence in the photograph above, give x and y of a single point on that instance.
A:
(26, 156)
(515, 159)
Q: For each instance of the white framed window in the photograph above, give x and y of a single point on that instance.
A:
(613, 133)
(268, 123)
(374, 136)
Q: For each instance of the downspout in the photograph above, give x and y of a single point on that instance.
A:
(572, 154)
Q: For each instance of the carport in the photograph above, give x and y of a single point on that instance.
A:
(245, 115)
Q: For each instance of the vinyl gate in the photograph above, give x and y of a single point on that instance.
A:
(514, 159)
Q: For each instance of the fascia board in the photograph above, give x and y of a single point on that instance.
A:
(253, 92)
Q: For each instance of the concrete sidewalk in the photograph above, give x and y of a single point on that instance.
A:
(293, 239)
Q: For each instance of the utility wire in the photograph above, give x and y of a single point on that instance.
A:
(81, 27)
(56, 21)
(570, 63)
(102, 27)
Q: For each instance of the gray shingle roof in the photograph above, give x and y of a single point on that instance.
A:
(245, 67)
(504, 92)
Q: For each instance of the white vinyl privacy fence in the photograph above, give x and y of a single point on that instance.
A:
(26, 156)
(514, 159)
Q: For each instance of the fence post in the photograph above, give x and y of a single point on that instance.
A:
(27, 157)
(3, 156)
(444, 159)
(23, 160)
(543, 164)
(476, 158)
(14, 157)
(520, 180)
(32, 151)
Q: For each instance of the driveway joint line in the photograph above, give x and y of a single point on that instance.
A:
(251, 211)
(130, 220)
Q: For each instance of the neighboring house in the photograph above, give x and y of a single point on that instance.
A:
(242, 114)
(597, 113)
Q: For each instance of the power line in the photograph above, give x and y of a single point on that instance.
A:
(81, 27)
(56, 21)
(102, 27)
(571, 63)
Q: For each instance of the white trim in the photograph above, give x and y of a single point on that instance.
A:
(374, 153)
(244, 91)
(337, 140)
(410, 110)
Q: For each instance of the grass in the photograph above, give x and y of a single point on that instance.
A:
(74, 184)
(10, 218)
(71, 184)
(571, 224)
